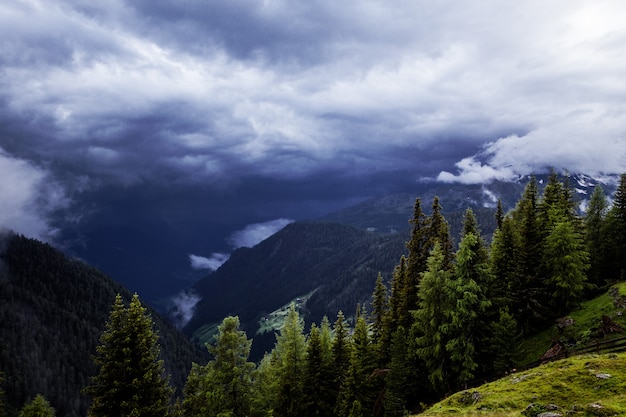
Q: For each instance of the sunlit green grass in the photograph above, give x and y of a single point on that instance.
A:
(586, 385)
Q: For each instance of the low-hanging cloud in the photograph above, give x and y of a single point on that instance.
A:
(211, 263)
(248, 237)
(183, 306)
(255, 233)
(29, 196)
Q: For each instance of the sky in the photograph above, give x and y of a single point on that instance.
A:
(200, 120)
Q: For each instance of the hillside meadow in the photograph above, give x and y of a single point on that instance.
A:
(584, 385)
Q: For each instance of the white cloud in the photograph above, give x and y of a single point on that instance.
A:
(472, 171)
(592, 142)
(28, 197)
(213, 263)
(341, 84)
(255, 233)
(184, 306)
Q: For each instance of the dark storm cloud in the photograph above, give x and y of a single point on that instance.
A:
(226, 93)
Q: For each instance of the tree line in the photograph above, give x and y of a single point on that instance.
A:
(449, 317)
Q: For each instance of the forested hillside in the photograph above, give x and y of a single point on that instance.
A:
(339, 262)
(52, 312)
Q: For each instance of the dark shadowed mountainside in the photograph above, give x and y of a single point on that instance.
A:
(340, 263)
(52, 312)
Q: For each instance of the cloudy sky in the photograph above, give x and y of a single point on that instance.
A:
(213, 115)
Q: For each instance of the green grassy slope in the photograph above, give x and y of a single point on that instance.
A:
(585, 385)
(590, 382)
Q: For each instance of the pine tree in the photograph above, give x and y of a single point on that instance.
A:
(468, 319)
(342, 351)
(505, 343)
(224, 386)
(318, 376)
(359, 384)
(419, 245)
(615, 232)
(595, 236)
(499, 215)
(399, 310)
(196, 387)
(567, 262)
(399, 376)
(550, 209)
(131, 379)
(290, 353)
(506, 266)
(438, 231)
(38, 407)
(533, 308)
(525, 215)
(431, 321)
(264, 387)
(380, 305)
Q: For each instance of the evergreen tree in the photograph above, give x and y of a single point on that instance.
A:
(419, 245)
(290, 353)
(318, 377)
(196, 387)
(264, 387)
(532, 305)
(342, 351)
(431, 322)
(224, 386)
(415, 264)
(38, 407)
(399, 376)
(595, 236)
(399, 306)
(131, 379)
(567, 262)
(506, 266)
(438, 232)
(551, 208)
(468, 322)
(499, 215)
(615, 232)
(505, 343)
(525, 215)
(380, 305)
(359, 384)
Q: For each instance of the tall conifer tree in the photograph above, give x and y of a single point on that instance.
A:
(342, 351)
(290, 353)
(131, 380)
(318, 376)
(38, 407)
(431, 321)
(596, 238)
(224, 385)
(615, 227)
(567, 262)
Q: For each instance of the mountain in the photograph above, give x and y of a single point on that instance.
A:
(52, 312)
(331, 264)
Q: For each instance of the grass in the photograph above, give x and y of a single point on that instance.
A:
(585, 385)
(586, 319)
(275, 320)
